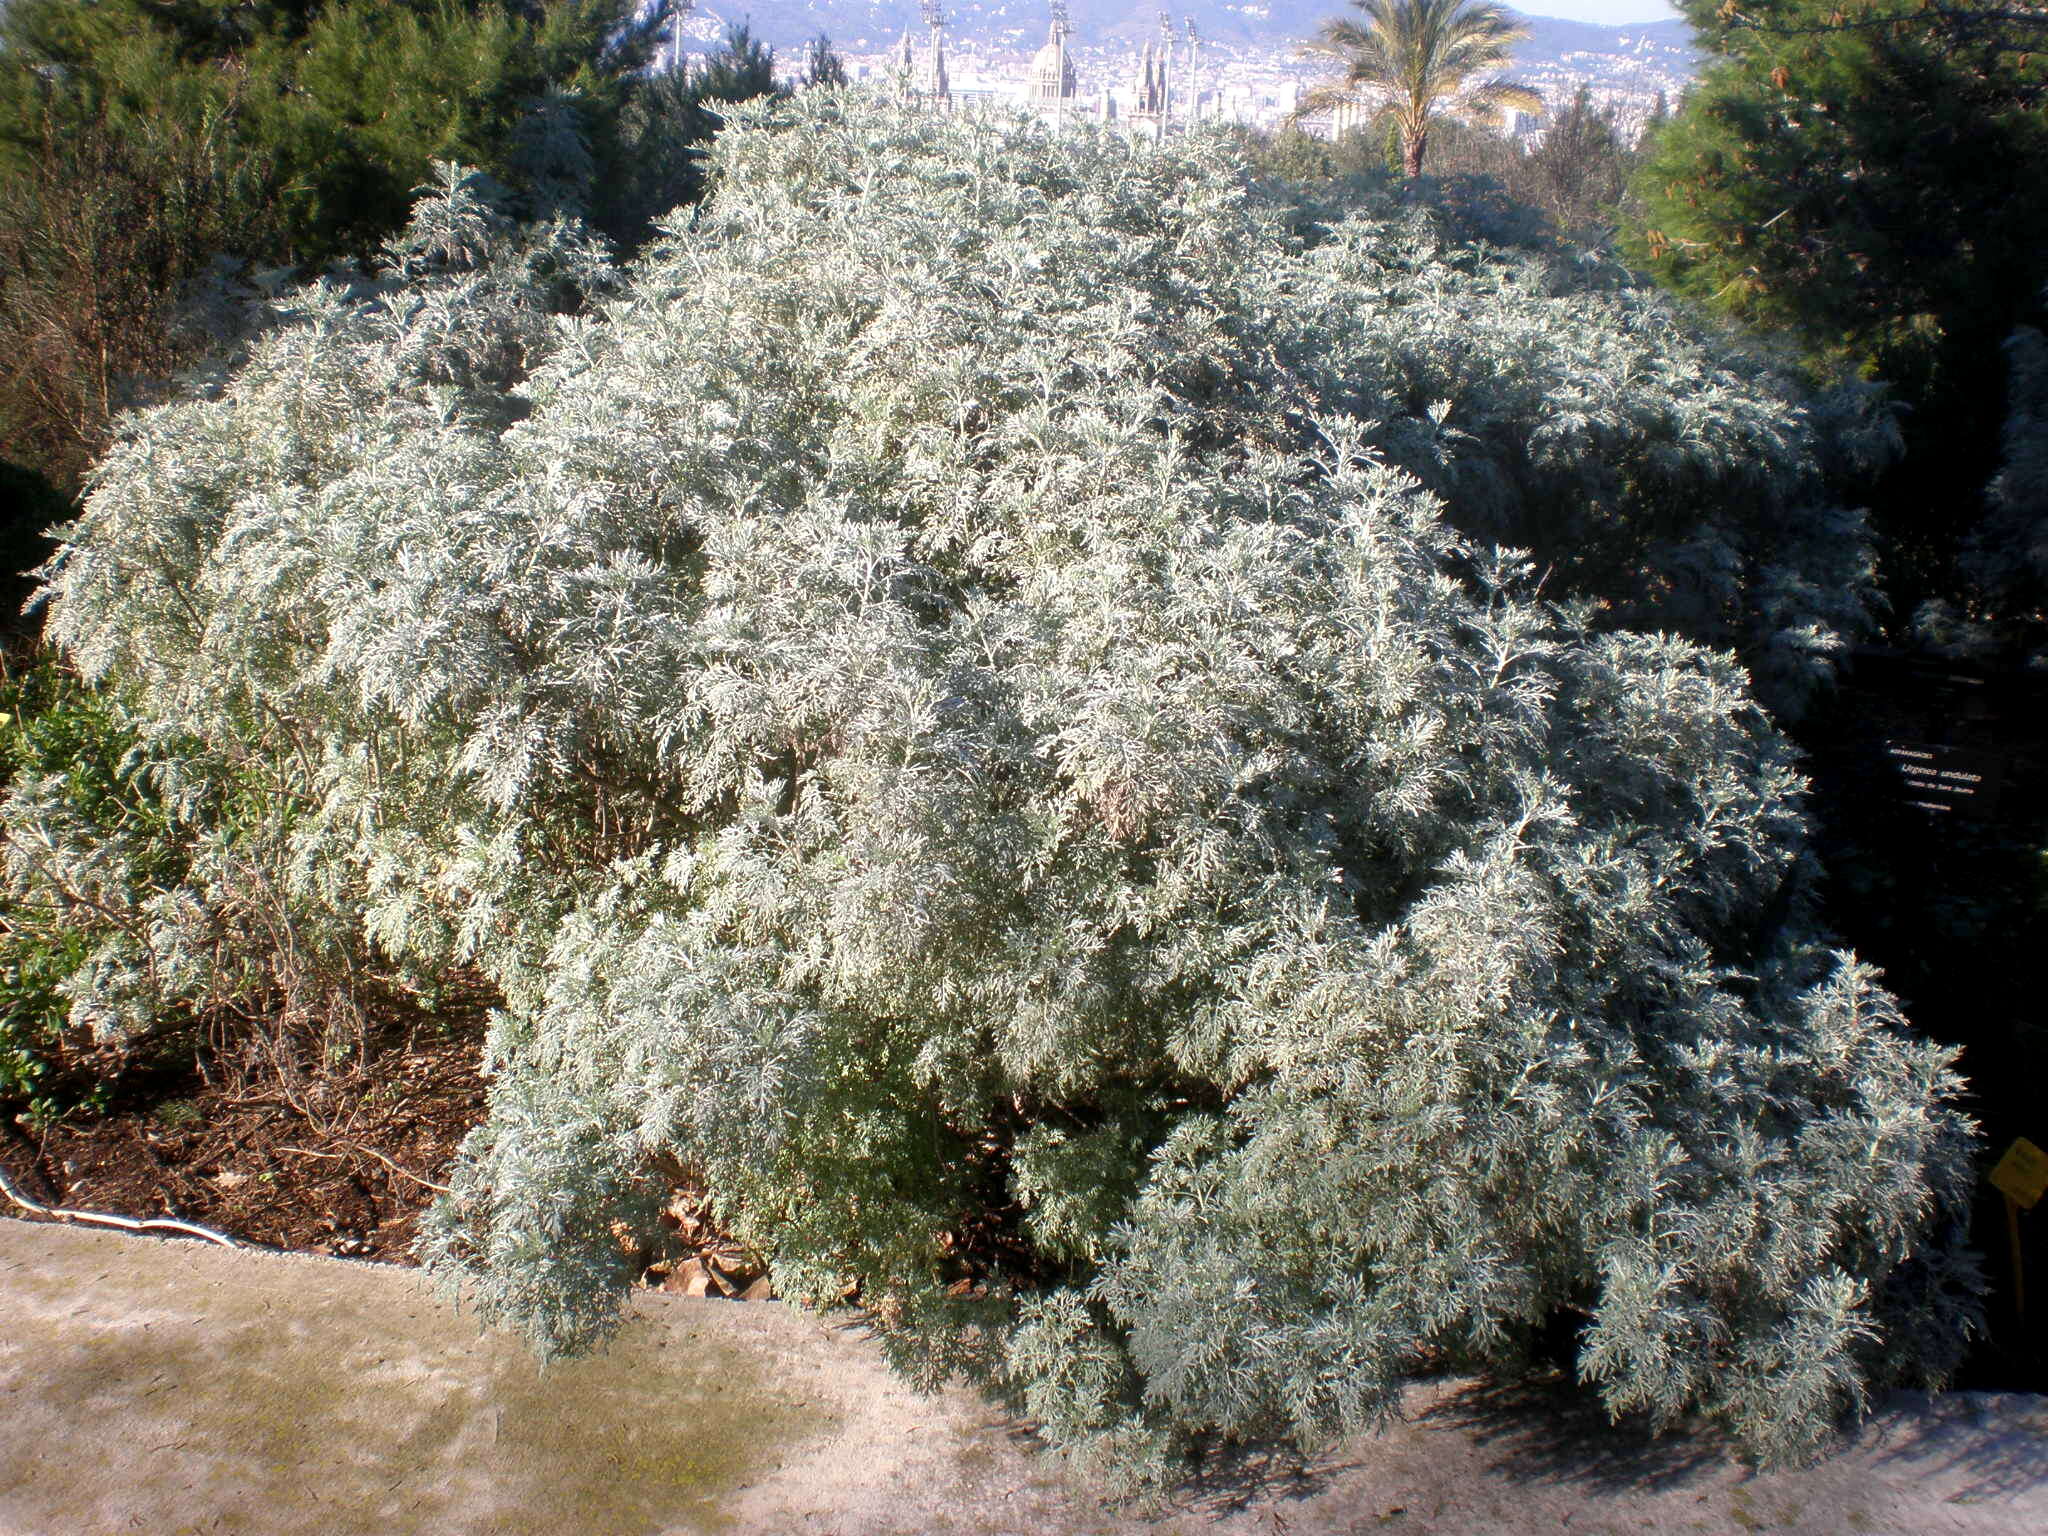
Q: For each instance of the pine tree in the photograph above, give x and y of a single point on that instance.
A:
(741, 68)
(822, 64)
(1859, 174)
(1864, 177)
(668, 124)
(146, 147)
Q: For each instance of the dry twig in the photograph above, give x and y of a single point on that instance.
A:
(363, 1151)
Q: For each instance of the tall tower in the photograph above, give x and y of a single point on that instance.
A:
(936, 87)
(1058, 40)
(1052, 72)
(1155, 80)
(1165, 69)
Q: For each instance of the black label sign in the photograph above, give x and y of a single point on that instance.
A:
(1947, 780)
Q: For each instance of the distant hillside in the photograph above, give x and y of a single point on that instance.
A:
(1558, 44)
(867, 25)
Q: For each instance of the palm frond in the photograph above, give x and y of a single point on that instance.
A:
(1422, 53)
(1487, 102)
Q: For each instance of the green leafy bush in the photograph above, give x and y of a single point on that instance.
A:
(944, 707)
(66, 747)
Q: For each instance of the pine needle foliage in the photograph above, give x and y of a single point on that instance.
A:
(940, 699)
(148, 150)
(1862, 179)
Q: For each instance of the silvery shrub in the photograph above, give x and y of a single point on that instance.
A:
(957, 704)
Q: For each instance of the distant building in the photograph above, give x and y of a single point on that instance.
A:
(1158, 100)
(1051, 84)
(921, 73)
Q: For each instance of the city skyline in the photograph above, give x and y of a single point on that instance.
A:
(1254, 75)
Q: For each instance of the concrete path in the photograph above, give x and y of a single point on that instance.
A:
(171, 1387)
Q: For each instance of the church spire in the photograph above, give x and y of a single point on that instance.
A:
(936, 86)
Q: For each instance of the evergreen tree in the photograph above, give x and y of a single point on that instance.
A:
(822, 64)
(1858, 174)
(1006, 780)
(1660, 114)
(349, 103)
(146, 149)
(671, 120)
(1866, 177)
(1397, 159)
(1578, 172)
(741, 68)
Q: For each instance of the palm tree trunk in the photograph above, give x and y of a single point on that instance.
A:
(1412, 146)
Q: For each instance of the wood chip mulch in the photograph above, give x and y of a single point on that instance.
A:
(346, 1170)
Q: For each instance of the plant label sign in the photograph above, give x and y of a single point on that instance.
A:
(2022, 1174)
(1945, 779)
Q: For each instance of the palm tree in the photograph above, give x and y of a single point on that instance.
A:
(1413, 60)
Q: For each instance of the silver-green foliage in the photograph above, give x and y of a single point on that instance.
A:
(194, 604)
(943, 728)
(1559, 407)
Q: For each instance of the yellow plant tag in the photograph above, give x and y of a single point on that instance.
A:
(2022, 1173)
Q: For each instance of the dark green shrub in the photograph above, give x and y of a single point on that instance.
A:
(148, 151)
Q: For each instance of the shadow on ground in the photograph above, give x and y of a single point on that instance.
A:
(1550, 1430)
(1997, 1447)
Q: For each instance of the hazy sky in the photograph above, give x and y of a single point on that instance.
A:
(1612, 13)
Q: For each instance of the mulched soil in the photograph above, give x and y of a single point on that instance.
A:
(347, 1170)
(345, 1167)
